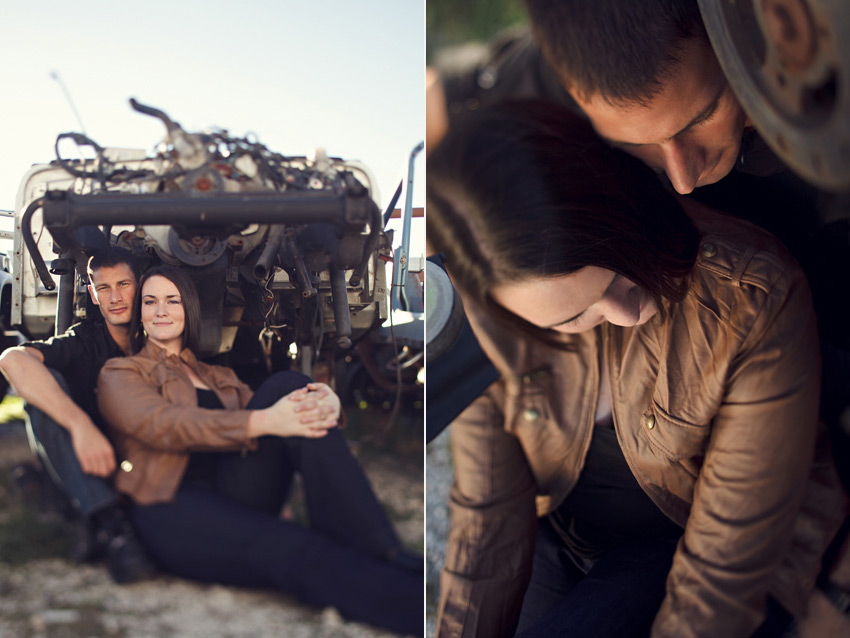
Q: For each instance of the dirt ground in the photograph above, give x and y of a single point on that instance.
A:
(438, 481)
(43, 595)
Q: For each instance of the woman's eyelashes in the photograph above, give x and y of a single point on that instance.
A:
(150, 302)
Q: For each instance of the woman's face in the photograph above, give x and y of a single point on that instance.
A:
(577, 302)
(163, 317)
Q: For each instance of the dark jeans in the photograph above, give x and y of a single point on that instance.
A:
(617, 594)
(231, 532)
(52, 443)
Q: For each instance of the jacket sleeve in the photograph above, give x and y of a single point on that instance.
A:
(132, 405)
(749, 489)
(493, 521)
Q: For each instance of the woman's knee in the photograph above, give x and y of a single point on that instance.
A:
(276, 386)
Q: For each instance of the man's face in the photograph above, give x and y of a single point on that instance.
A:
(691, 129)
(112, 289)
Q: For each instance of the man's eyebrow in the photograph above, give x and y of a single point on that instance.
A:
(706, 113)
(700, 117)
(106, 285)
(561, 323)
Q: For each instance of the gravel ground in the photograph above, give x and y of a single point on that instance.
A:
(48, 597)
(438, 480)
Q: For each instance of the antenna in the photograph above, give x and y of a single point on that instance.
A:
(55, 76)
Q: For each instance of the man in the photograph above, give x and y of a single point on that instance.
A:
(57, 379)
(645, 75)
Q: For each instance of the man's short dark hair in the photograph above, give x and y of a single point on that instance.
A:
(111, 257)
(618, 49)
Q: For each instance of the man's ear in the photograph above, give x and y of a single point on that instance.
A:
(91, 293)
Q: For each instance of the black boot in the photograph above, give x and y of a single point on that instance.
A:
(405, 559)
(89, 546)
(126, 557)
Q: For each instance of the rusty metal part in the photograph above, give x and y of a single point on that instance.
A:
(788, 62)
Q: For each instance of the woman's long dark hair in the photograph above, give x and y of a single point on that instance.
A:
(191, 308)
(527, 189)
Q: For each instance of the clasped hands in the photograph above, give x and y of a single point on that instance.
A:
(318, 405)
(309, 411)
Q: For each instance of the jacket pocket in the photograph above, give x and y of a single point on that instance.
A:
(676, 439)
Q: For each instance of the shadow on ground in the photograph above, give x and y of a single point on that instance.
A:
(44, 595)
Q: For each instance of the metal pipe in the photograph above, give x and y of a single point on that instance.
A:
(376, 227)
(388, 211)
(67, 291)
(32, 246)
(297, 207)
(265, 263)
(301, 273)
(400, 261)
(342, 318)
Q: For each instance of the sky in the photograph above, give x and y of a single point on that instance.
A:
(334, 74)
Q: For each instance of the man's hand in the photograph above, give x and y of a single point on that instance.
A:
(93, 450)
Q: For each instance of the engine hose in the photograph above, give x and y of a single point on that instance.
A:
(265, 263)
(170, 125)
(342, 317)
(302, 275)
(32, 246)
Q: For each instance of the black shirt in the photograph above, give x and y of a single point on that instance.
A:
(201, 470)
(607, 505)
(79, 354)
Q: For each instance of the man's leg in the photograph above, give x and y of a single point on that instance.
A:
(52, 443)
(103, 527)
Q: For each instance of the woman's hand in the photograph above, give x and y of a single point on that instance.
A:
(326, 401)
(309, 412)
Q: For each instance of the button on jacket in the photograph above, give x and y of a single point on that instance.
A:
(151, 409)
(715, 408)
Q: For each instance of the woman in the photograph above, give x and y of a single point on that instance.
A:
(657, 406)
(208, 466)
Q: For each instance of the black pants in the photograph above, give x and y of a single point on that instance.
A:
(230, 532)
(617, 594)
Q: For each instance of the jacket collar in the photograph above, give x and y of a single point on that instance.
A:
(159, 353)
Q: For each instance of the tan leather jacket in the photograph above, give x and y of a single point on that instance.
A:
(151, 409)
(715, 408)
